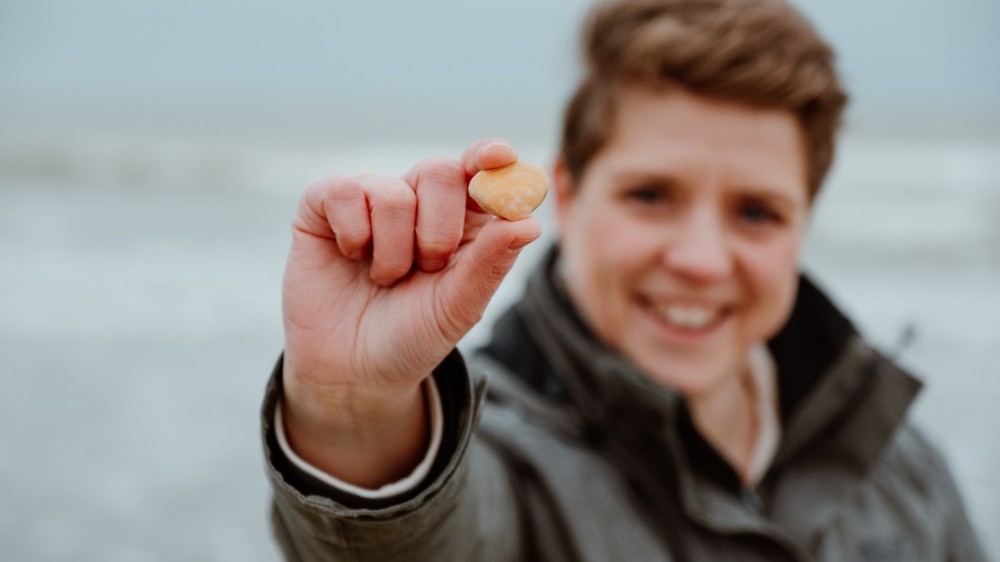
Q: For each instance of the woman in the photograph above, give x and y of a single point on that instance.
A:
(669, 387)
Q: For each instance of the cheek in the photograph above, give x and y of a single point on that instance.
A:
(604, 260)
(622, 251)
(773, 277)
(597, 239)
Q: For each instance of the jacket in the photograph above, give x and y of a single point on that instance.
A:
(573, 454)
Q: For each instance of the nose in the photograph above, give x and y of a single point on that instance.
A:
(698, 249)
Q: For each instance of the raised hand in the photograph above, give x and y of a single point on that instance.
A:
(384, 277)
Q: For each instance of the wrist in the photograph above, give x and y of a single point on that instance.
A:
(361, 436)
(342, 399)
(349, 411)
(388, 489)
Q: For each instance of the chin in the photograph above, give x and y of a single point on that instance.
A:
(689, 378)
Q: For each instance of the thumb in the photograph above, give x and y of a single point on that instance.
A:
(476, 276)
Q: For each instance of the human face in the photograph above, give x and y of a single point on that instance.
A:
(680, 243)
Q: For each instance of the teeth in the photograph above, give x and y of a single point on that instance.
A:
(687, 316)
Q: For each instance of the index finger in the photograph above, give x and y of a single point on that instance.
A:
(485, 154)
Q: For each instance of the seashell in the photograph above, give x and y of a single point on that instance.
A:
(510, 192)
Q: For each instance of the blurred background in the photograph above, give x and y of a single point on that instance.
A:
(152, 154)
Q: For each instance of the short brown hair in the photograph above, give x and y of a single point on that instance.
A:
(761, 53)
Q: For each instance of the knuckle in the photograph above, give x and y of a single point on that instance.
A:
(321, 198)
(441, 171)
(335, 191)
(394, 196)
(335, 184)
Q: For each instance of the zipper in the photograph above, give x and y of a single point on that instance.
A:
(751, 500)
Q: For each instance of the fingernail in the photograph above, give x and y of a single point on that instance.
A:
(432, 265)
(499, 144)
(519, 243)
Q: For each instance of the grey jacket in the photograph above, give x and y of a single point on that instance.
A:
(573, 454)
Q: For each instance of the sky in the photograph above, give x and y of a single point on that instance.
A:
(377, 67)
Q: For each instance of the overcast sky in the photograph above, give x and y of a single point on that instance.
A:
(384, 64)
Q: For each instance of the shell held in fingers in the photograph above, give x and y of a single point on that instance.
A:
(511, 192)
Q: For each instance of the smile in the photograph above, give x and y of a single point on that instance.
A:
(687, 317)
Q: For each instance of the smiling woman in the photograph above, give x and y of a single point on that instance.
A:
(680, 247)
(687, 270)
(668, 353)
(152, 154)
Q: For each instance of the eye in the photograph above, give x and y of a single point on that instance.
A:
(648, 195)
(758, 213)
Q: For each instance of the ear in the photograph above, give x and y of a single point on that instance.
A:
(564, 189)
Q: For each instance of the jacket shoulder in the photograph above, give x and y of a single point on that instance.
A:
(918, 473)
(914, 459)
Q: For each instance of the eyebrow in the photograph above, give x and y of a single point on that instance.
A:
(634, 177)
(768, 195)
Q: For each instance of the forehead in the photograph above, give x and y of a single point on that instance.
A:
(687, 136)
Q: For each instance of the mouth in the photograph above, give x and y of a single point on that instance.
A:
(686, 317)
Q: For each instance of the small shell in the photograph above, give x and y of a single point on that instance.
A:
(510, 192)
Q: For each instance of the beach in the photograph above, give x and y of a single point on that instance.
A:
(140, 318)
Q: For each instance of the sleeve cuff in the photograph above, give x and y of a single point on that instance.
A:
(391, 489)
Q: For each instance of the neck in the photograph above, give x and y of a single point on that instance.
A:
(726, 416)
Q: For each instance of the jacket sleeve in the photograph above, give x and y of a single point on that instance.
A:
(463, 510)
(962, 543)
(931, 479)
